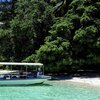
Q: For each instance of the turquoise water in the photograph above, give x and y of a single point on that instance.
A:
(51, 91)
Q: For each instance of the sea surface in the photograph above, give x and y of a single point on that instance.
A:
(51, 90)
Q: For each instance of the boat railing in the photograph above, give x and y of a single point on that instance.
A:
(15, 76)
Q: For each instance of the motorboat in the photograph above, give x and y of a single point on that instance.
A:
(16, 77)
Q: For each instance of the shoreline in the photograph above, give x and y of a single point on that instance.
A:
(93, 81)
(90, 81)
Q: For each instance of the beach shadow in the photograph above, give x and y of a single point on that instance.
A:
(86, 74)
(62, 77)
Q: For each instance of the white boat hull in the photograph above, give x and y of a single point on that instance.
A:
(21, 82)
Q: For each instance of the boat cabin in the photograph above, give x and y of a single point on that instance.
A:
(23, 73)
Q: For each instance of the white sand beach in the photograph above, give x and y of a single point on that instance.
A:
(90, 81)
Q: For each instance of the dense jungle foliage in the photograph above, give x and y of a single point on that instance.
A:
(64, 35)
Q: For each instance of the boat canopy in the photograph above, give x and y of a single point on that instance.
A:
(23, 64)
